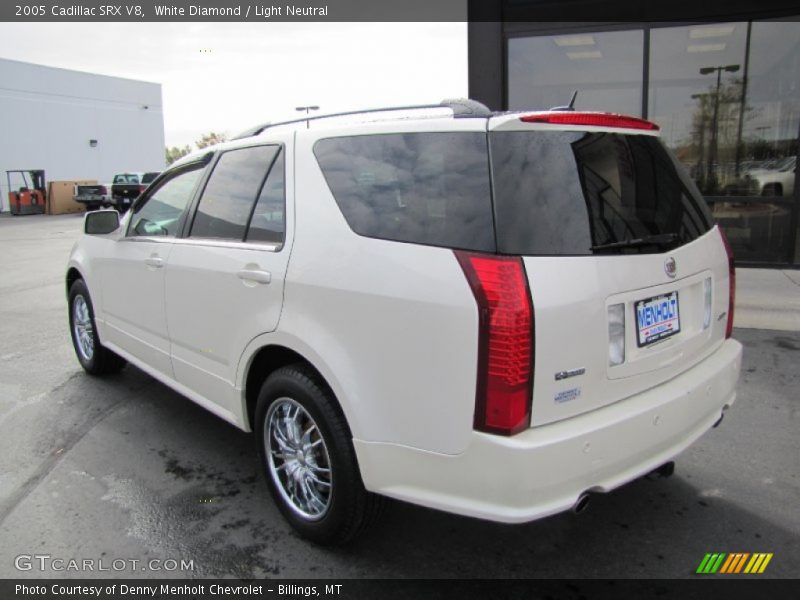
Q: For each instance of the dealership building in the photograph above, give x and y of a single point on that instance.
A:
(723, 84)
(75, 125)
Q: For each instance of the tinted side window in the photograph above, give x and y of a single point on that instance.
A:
(230, 193)
(269, 220)
(424, 188)
(161, 212)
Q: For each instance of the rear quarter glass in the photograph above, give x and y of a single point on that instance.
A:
(422, 188)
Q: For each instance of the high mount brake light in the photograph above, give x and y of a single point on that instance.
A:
(591, 119)
(731, 282)
(505, 341)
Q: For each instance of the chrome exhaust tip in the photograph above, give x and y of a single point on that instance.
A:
(581, 504)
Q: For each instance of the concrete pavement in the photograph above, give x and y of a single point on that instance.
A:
(767, 299)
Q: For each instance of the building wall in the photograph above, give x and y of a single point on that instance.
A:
(48, 116)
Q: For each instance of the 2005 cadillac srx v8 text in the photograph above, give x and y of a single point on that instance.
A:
(492, 314)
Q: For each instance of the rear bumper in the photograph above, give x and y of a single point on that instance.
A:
(544, 470)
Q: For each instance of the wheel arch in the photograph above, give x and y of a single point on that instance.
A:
(267, 359)
(73, 274)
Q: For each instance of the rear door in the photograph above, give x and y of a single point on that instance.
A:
(628, 275)
(224, 281)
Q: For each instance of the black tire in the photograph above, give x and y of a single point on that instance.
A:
(350, 508)
(101, 360)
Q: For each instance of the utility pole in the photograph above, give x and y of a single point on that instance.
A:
(713, 150)
(307, 109)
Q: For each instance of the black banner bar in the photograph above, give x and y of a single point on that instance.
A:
(700, 588)
(387, 10)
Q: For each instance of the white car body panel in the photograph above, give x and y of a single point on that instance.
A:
(565, 292)
(133, 293)
(202, 279)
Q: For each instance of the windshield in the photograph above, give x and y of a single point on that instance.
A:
(127, 178)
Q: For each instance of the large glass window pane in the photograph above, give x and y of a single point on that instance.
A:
(774, 100)
(160, 214)
(230, 193)
(423, 188)
(736, 135)
(695, 95)
(758, 231)
(605, 68)
(772, 117)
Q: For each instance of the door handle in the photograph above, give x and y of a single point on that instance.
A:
(154, 261)
(254, 275)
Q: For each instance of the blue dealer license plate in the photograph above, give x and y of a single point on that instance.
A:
(657, 318)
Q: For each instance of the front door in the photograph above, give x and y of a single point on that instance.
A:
(132, 277)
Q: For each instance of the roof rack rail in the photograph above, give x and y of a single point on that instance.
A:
(462, 108)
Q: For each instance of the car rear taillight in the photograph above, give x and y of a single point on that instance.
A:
(142, 188)
(731, 282)
(591, 119)
(103, 190)
(505, 341)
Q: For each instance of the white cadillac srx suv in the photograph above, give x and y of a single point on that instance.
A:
(492, 314)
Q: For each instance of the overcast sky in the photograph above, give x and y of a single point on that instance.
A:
(248, 73)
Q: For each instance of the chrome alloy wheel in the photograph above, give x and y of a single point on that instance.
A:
(298, 459)
(82, 328)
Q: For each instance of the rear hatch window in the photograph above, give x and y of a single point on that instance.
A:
(529, 193)
(578, 193)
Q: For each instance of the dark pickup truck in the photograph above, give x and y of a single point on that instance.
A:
(126, 187)
(93, 195)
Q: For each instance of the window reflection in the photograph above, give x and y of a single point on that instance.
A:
(696, 95)
(733, 125)
(773, 109)
(605, 68)
(424, 188)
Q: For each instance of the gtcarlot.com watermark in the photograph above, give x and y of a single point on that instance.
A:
(47, 562)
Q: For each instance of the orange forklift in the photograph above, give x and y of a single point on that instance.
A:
(31, 197)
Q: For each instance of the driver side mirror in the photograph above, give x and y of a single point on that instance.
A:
(101, 222)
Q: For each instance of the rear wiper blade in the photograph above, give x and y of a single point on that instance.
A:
(656, 240)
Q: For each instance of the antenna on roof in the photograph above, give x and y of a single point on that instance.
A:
(570, 106)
